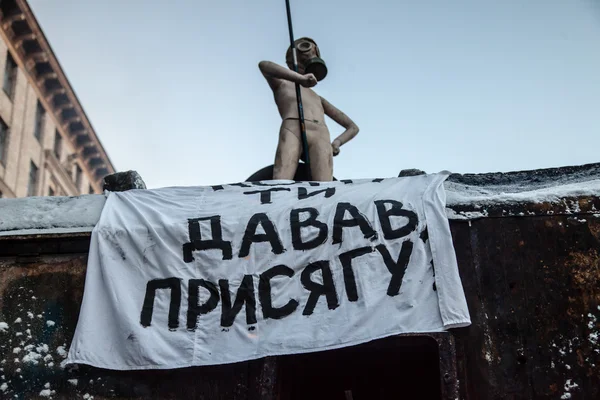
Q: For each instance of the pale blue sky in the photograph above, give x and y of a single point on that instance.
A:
(173, 89)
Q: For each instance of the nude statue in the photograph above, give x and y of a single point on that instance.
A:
(320, 150)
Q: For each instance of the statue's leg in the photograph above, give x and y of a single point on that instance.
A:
(321, 160)
(287, 155)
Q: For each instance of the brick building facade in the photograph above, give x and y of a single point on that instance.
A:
(47, 144)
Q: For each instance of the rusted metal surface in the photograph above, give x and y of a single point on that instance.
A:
(40, 301)
(531, 284)
(32, 246)
(40, 296)
(449, 383)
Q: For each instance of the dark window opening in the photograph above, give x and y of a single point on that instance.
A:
(33, 180)
(4, 131)
(43, 68)
(60, 99)
(57, 144)
(50, 192)
(9, 7)
(78, 173)
(91, 190)
(10, 75)
(68, 113)
(40, 113)
(52, 84)
(393, 368)
(21, 27)
(31, 46)
(76, 126)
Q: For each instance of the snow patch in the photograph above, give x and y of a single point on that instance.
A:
(32, 214)
(32, 358)
(3, 387)
(3, 326)
(50, 323)
(61, 351)
(482, 197)
(568, 386)
(46, 393)
(18, 320)
(458, 193)
(43, 348)
(465, 215)
(30, 314)
(73, 382)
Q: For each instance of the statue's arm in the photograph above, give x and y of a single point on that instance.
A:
(275, 73)
(338, 116)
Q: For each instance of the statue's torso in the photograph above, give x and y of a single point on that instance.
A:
(285, 98)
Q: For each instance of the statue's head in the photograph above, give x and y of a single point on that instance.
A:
(308, 57)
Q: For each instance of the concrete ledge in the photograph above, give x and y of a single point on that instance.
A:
(555, 191)
(39, 215)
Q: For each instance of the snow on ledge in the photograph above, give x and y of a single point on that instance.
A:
(52, 215)
(470, 202)
(37, 215)
(459, 194)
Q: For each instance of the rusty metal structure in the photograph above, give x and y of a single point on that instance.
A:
(531, 274)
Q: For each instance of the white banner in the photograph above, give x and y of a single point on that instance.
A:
(189, 276)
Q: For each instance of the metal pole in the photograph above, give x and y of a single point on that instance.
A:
(298, 94)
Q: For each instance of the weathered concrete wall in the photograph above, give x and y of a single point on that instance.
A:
(531, 285)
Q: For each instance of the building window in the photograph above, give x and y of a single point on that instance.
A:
(57, 145)
(3, 141)
(91, 190)
(40, 113)
(33, 179)
(10, 75)
(78, 173)
(50, 192)
(0, 194)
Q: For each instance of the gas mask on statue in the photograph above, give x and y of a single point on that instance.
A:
(308, 57)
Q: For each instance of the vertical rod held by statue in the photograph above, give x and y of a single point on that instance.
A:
(298, 94)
